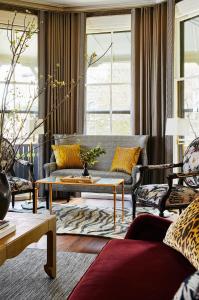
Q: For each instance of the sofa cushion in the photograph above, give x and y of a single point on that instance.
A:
(125, 159)
(133, 269)
(96, 173)
(183, 234)
(67, 156)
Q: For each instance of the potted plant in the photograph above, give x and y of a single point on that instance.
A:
(89, 157)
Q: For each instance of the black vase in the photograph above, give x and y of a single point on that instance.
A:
(85, 171)
(5, 195)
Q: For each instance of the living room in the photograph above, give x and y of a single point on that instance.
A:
(99, 149)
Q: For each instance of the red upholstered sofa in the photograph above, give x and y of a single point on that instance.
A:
(140, 267)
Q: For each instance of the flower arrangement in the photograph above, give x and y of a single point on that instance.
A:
(90, 156)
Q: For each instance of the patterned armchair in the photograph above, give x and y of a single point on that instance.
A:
(170, 196)
(17, 185)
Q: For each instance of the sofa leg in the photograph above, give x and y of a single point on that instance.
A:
(134, 204)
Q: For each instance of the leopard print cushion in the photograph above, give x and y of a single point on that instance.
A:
(183, 234)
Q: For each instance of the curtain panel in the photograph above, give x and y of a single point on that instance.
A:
(149, 80)
(62, 43)
(65, 33)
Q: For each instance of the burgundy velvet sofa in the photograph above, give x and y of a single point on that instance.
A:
(140, 267)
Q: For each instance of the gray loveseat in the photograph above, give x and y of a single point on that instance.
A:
(101, 169)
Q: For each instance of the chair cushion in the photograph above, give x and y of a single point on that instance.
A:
(133, 269)
(96, 173)
(151, 195)
(183, 234)
(19, 184)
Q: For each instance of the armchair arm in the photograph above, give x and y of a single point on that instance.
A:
(148, 227)
(160, 167)
(182, 175)
(50, 167)
(135, 174)
(139, 169)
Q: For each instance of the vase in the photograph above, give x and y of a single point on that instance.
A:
(5, 195)
(85, 171)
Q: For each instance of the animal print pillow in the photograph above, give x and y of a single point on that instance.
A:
(189, 289)
(183, 234)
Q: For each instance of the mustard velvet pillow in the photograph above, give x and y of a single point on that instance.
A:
(125, 159)
(183, 234)
(67, 156)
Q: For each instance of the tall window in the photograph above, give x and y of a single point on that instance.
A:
(24, 81)
(108, 83)
(189, 72)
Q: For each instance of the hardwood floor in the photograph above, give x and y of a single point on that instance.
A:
(75, 243)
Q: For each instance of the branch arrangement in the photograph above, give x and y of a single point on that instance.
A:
(19, 41)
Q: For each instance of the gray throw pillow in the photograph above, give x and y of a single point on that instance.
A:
(189, 289)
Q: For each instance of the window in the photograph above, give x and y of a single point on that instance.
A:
(189, 73)
(24, 81)
(108, 82)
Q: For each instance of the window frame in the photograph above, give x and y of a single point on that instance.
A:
(111, 111)
(16, 83)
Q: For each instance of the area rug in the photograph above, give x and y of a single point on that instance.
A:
(23, 277)
(94, 221)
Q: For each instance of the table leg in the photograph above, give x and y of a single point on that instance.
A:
(51, 197)
(114, 199)
(50, 267)
(123, 201)
(35, 200)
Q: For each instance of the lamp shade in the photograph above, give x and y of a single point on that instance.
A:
(177, 126)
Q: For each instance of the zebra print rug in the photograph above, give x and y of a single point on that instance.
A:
(94, 221)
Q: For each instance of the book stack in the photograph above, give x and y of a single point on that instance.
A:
(6, 228)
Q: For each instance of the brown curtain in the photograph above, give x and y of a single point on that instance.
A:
(65, 34)
(149, 79)
(62, 36)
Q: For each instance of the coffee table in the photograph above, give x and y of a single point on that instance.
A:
(29, 229)
(112, 182)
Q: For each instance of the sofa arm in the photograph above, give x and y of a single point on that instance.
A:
(135, 174)
(49, 167)
(148, 227)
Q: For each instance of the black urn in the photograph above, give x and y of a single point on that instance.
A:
(5, 195)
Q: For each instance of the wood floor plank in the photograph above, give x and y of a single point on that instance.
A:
(75, 243)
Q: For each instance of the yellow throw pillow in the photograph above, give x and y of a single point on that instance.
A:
(125, 159)
(183, 234)
(67, 156)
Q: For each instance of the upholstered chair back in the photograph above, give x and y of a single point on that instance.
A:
(191, 162)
